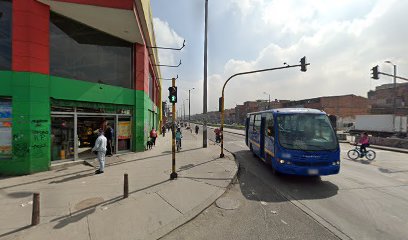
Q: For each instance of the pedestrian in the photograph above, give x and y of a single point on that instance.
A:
(217, 132)
(164, 130)
(179, 136)
(153, 136)
(100, 150)
(109, 136)
(196, 129)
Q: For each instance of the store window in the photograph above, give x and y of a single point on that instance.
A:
(124, 133)
(5, 34)
(62, 138)
(5, 129)
(84, 53)
(151, 86)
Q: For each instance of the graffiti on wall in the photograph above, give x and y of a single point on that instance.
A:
(5, 129)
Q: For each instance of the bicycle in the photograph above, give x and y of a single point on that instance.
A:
(356, 153)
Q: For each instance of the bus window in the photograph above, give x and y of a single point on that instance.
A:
(269, 130)
(257, 123)
(251, 122)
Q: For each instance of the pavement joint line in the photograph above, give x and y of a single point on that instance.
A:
(169, 203)
(89, 229)
(196, 180)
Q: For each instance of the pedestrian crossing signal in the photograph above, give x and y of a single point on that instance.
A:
(173, 94)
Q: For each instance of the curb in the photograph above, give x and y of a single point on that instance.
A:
(196, 210)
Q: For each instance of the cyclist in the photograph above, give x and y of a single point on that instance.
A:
(364, 141)
(179, 136)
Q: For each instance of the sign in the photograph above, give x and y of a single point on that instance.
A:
(124, 130)
(5, 129)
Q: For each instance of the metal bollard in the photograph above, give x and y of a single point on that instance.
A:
(35, 218)
(126, 186)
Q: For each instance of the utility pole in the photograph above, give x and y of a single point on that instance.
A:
(189, 108)
(205, 77)
(173, 174)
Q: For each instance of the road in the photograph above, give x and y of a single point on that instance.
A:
(367, 200)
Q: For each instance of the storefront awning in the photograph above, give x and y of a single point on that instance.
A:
(117, 22)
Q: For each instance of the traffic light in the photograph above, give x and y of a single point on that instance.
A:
(173, 94)
(303, 64)
(375, 72)
(220, 104)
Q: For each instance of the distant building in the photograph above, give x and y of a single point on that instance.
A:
(341, 106)
(382, 99)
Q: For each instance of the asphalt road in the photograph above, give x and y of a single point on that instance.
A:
(366, 200)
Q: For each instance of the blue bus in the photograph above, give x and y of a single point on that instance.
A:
(298, 141)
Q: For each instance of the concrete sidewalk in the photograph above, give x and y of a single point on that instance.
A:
(76, 204)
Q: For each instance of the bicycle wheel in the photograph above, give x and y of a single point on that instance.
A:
(370, 155)
(353, 154)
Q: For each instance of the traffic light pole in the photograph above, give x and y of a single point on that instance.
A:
(303, 69)
(173, 174)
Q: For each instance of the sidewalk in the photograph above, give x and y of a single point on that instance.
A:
(76, 204)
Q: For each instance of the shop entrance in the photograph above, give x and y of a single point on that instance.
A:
(68, 122)
(88, 127)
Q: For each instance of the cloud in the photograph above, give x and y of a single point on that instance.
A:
(166, 37)
(341, 49)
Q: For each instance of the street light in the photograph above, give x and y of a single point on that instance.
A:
(269, 103)
(205, 77)
(394, 106)
(184, 109)
(189, 106)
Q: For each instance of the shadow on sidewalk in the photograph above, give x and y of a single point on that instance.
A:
(74, 174)
(15, 231)
(79, 214)
(190, 166)
(78, 176)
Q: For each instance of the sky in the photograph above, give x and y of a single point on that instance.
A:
(342, 41)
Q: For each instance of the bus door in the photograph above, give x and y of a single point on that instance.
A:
(262, 138)
(256, 135)
(246, 130)
(269, 138)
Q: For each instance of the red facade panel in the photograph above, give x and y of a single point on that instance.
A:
(30, 39)
(120, 4)
(141, 68)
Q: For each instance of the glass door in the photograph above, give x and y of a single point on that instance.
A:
(62, 138)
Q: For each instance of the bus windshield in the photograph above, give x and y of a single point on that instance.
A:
(308, 132)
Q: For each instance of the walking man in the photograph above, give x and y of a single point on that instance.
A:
(109, 137)
(100, 149)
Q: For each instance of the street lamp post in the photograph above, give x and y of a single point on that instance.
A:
(394, 106)
(189, 108)
(205, 78)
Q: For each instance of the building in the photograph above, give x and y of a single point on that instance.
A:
(68, 68)
(341, 106)
(382, 99)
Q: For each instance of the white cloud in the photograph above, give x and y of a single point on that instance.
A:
(166, 37)
(341, 51)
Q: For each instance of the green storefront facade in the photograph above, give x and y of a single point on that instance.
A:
(45, 115)
(31, 96)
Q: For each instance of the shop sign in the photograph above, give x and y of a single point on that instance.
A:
(5, 129)
(124, 129)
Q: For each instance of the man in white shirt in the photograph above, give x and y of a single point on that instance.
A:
(100, 148)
